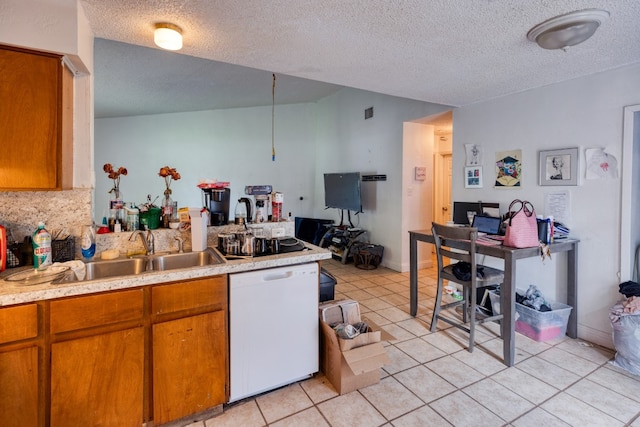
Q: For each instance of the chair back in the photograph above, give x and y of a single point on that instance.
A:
(458, 243)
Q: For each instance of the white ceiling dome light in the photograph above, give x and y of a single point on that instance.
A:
(567, 30)
(168, 36)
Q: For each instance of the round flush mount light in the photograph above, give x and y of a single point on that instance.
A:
(168, 36)
(567, 30)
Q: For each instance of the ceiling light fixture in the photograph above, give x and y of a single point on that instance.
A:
(168, 36)
(567, 30)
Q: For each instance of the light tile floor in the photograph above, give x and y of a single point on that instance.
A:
(434, 381)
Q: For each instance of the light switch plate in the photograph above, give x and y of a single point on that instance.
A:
(277, 232)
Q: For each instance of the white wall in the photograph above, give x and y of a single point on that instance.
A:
(227, 145)
(586, 113)
(346, 142)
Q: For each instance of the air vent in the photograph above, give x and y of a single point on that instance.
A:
(368, 113)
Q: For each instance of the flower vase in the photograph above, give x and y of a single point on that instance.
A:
(167, 209)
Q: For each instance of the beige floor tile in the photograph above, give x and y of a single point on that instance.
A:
(399, 334)
(379, 320)
(318, 388)
(394, 314)
(530, 346)
(608, 401)
(586, 350)
(539, 418)
(374, 303)
(246, 414)
(379, 291)
(400, 361)
(308, 418)
(498, 399)
(421, 417)
(446, 341)
(548, 372)
(481, 361)
(462, 411)
(620, 382)
(527, 386)
(358, 295)
(455, 372)
(577, 413)
(351, 410)
(397, 299)
(416, 326)
(403, 400)
(495, 347)
(283, 402)
(424, 383)
(420, 350)
(569, 361)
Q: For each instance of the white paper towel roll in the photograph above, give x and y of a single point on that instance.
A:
(199, 222)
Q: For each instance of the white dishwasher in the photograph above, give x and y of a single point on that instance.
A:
(273, 324)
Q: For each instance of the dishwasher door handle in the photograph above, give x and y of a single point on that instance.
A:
(277, 276)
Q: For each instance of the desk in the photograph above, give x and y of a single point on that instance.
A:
(508, 294)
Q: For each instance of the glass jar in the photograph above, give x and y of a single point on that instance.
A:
(167, 210)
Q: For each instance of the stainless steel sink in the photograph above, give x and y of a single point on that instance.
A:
(186, 260)
(114, 268)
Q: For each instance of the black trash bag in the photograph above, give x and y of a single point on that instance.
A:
(630, 289)
(462, 270)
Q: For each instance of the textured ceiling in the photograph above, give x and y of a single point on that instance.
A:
(442, 51)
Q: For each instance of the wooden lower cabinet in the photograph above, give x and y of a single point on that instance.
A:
(189, 366)
(98, 380)
(19, 393)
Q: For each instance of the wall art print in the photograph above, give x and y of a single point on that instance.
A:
(601, 165)
(559, 167)
(508, 169)
(473, 177)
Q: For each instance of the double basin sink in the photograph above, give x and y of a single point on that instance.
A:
(150, 263)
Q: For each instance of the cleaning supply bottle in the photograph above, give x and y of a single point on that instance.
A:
(42, 256)
(88, 241)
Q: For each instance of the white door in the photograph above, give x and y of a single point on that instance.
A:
(444, 207)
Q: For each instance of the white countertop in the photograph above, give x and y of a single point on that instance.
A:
(12, 293)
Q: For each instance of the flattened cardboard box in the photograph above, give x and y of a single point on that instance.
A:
(356, 367)
(340, 311)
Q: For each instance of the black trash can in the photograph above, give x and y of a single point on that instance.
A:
(327, 285)
(368, 256)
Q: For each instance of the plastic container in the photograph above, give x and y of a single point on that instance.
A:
(41, 247)
(538, 325)
(151, 218)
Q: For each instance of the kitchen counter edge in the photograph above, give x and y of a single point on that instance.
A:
(13, 294)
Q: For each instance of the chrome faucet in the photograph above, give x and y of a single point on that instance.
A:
(148, 242)
(180, 244)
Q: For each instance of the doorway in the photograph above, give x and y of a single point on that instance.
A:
(630, 200)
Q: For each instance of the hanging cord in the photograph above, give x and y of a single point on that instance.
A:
(273, 119)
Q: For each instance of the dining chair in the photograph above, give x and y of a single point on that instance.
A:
(459, 244)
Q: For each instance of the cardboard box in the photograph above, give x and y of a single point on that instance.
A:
(340, 311)
(359, 364)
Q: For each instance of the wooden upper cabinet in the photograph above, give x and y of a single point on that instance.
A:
(36, 121)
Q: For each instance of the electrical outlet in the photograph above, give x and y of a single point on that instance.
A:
(277, 232)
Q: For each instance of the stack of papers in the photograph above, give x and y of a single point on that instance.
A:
(560, 231)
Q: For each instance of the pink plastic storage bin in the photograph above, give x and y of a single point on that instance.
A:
(538, 325)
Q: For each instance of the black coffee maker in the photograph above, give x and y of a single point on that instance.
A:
(216, 200)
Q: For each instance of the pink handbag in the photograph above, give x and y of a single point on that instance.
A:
(522, 226)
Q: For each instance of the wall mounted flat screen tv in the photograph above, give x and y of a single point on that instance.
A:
(342, 191)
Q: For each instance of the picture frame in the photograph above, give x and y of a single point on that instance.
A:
(559, 167)
(473, 177)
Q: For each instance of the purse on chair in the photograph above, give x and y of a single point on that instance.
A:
(522, 225)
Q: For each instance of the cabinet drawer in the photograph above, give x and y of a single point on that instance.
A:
(96, 310)
(189, 295)
(18, 323)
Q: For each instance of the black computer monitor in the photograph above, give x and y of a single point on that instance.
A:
(460, 210)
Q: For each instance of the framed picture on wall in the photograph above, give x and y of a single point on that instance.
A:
(559, 167)
(473, 177)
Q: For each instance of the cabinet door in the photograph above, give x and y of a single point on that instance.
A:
(98, 380)
(189, 365)
(31, 120)
(19, 388)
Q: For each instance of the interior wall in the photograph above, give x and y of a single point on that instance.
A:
(346, 142)
(417, 195)
(231, 145)
(585, 113)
